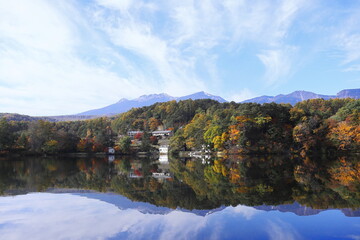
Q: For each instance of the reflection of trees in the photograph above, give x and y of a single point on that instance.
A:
(171, 194)
(323, 183)
(250, 181)
(318, 182)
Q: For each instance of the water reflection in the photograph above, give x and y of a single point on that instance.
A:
(318, 183)
(91, 216)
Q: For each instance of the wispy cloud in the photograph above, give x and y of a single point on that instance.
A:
(95, 52)
(198, 31)
(343, 35)
(46, 59)
(278, 64)
(242, 95)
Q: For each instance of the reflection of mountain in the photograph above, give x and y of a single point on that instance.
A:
(304, 211)
(124, 203)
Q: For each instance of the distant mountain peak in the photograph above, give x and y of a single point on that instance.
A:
(352, 93)
(122, 100)
(124, 104)
(207, 94)
(301, 95)
(202, 95)
(148, 97)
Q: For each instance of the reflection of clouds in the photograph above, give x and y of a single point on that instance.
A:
(354, 237)
(175, 225)
(65, 216)
(45, 216)
(280, 230)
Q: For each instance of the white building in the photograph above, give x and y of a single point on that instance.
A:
(164, 149)
(162, 133)
(133, 133)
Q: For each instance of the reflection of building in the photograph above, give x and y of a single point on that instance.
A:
(136, 170)
(164, 149)
(134, 175)
(111, 150)
(163, 170)
(111, 158)
(163, 158)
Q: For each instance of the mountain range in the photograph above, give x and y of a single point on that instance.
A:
(124, 104)
(299, 96)
(146, 100)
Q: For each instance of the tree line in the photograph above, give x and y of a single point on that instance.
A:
(233, 128)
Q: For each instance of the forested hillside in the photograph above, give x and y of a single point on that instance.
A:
(244, 128)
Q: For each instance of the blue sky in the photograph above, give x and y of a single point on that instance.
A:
(65, 57)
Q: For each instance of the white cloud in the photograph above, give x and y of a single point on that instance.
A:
(176, 72)
(349, 43)
(122, 5)
(46, 59)
(198, 30)
(56, 54)
(36, 25)
(343, 36)
(353, 68)
(60, 82)
(232, 24)
(277, 63)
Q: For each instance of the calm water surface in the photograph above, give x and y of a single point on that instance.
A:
(127, 198)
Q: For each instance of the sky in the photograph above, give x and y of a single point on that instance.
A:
(70, 56)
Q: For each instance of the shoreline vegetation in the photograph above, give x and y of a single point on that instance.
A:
(196, 126)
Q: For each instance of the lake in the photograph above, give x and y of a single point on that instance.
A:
(237, 197)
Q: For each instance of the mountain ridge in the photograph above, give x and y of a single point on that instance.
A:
(301, 95)
(124, 104)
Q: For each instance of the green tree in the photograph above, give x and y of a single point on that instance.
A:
(124, 144)
(6, 135)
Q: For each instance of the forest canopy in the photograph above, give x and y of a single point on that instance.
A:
(238, 128)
